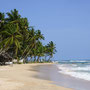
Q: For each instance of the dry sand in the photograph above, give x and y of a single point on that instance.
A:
(20, 77)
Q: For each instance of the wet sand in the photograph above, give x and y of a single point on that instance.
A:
(26, 77)
(50, 72)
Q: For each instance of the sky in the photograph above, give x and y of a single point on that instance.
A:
(65, 22)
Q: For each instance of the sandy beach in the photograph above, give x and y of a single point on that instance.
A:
(23, 77)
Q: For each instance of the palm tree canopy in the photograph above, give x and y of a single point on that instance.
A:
(11, 37)
(2, 16)
(20, 40)
(13, 15)
(39, 35)
(51, 48)
(2, 20)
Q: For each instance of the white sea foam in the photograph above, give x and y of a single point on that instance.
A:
(75, 71)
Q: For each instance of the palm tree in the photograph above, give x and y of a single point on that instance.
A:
(23, 25)
(39, 35)
(2, 20)
(19, 40)
(30, 42)
(33, 38)
(13, 15)
(11, 38)
(51, 49)
(39, 50)
(46, 51)
(2, 16)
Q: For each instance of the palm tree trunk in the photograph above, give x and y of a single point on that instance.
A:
(38, 58)
(49, 59)
(34, 58)
(17, 60)
(45, 57)
(31, 59)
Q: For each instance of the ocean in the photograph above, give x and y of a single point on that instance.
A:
(69, 74)
(79, 69)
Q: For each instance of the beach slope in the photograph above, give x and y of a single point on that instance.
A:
(23, 77)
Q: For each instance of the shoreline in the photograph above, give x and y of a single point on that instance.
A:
(23, 77)
(51, 73)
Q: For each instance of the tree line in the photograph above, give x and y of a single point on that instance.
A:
(20, 40)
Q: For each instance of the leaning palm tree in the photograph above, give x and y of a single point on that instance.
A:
(23, 25)
(46, 52)
(30, 43)
(19, 40)
(40, 50)
(11, 39)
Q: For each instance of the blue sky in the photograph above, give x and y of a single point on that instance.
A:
(66, 22)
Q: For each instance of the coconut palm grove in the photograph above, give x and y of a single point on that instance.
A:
(19, 41)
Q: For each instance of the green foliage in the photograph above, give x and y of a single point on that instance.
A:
(20, 40)
(13, 15)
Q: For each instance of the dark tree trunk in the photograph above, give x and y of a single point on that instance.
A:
(38, 58)
(34, 58)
